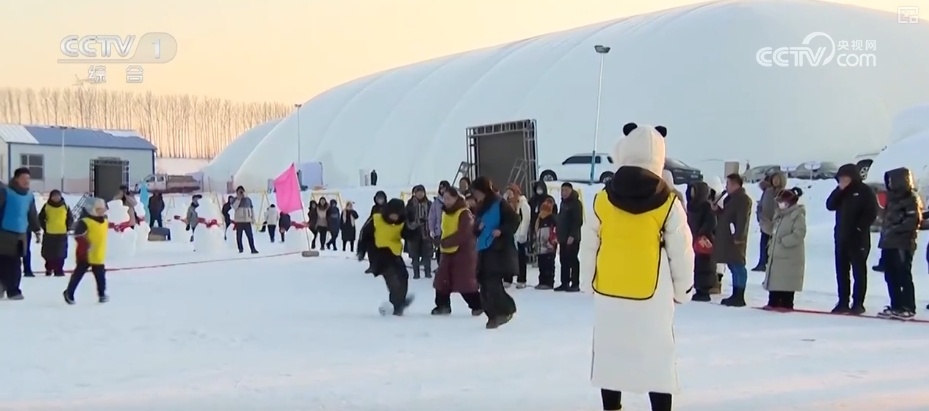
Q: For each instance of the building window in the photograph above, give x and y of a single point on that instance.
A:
(35, 163)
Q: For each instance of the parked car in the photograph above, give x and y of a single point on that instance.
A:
(756, 174)
(814, 170)
(683, 173)
(577, 168)
(881, 192)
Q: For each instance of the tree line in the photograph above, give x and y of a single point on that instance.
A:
(181, 126)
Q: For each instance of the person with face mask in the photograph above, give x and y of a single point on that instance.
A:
(786, 251)
(382, 241)
(539, 195)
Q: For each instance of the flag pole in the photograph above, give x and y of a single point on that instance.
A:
(306, 232)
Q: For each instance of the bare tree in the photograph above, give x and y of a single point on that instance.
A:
(179, 125)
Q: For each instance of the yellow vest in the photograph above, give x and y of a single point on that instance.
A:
(450, 227)
(387, 235)
(96, 236)
(629, 256)
(56, 219)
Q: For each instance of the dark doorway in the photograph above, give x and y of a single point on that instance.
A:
(505, 153)
(106, 175)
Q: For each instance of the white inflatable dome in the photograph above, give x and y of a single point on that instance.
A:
(910, 122)
(226, 164)
(692, 69)
(909, 152)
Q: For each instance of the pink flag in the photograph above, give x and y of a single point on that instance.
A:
(287, 188)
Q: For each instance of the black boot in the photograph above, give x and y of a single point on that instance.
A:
(442, 311)
(737, 299)
(759, 268)
(841, 308)
(701, 296)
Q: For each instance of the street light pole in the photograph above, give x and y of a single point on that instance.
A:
(602, 51)
(299, 155)
(62, 159)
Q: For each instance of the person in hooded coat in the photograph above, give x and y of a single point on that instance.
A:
(899, 229)
(702, 222)
(639, 251)
(55, 219)
(495, 228)
(457, 272)
(772, 185)
(787, 251)
(539, 195)
(518, 202)
(382, 241)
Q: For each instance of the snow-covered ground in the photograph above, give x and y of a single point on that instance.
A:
(292, 334)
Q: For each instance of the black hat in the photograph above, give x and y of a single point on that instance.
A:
(394, 206)
(849, 170)
(567, 184)
(239, 188)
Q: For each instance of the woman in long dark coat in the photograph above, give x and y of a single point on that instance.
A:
(457, 271)
(702, 222)
(312, 217)
(347, 226)
(496, 251)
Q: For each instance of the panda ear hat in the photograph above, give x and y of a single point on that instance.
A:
(630, 127)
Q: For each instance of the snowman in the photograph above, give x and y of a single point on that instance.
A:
(209, 235)
(121, 237)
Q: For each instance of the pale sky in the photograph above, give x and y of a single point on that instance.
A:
(289, 50)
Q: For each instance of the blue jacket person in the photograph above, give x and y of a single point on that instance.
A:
(18, 217)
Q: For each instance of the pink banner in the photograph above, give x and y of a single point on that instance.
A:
(287, 189)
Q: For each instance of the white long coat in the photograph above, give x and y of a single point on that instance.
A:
(633, 344)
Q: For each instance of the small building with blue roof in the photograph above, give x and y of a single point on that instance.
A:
(63, 158)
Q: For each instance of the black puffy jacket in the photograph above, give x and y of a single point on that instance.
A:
(903, 212)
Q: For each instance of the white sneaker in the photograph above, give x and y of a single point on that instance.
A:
(520, 286)
(507, 285)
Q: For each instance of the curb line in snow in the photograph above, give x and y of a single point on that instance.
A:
(143, 267)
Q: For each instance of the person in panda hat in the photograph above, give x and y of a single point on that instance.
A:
(382, 241)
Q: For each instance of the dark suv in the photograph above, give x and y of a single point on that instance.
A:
(683, 173)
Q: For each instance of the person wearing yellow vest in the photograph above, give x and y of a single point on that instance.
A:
(457, 271)
(382, 241)
(90, 232)
(638, 251)
(55, 219)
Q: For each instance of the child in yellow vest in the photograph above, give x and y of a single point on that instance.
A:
(55, 220)
(91, 234)
(382, 240)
